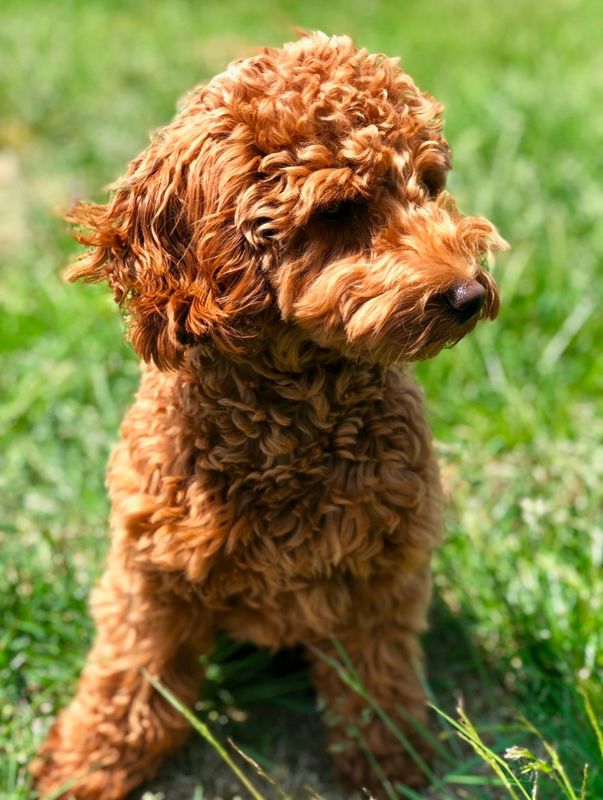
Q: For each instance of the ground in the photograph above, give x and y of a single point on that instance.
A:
(516, 628)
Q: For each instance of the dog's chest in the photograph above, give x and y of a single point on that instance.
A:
(327, 476)
(260, 495)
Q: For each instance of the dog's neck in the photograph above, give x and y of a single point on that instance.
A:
(286, 370)
(291, 404)
(278, 352)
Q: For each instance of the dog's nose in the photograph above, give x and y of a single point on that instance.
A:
(466, 299)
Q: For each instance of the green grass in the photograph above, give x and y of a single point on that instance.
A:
(516, 408)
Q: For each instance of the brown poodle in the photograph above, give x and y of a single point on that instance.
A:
(282, 249)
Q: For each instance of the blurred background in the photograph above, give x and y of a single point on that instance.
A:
(517, 623)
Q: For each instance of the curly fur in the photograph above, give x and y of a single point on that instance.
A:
(281, 250)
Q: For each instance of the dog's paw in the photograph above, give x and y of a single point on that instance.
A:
(66, 771)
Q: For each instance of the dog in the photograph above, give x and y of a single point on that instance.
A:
(283, 250)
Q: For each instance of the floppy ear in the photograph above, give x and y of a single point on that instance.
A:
(167, 244)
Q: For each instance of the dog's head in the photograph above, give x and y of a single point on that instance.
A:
(307, 185)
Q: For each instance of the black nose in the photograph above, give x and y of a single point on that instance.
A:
(466, 299)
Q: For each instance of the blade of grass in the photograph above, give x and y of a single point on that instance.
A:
(467, 732)
(584, 785)
(70, 784)
(407, 792)
(558, 773)
(592, 718)
(352, 679)
(427, 735)
(472, 780)
(377, 769)
(204, 731)
(262, 773)
(447, 730)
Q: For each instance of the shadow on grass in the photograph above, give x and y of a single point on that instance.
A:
(267, 706)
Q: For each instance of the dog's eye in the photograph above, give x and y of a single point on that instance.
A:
(333, 211)
(434, 181)
(343, 211)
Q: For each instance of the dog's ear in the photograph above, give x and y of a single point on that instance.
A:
(167, 243)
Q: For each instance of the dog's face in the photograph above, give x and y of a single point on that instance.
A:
(306, 184)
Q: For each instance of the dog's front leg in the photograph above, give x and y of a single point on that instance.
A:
(118, 728)
(381, 645)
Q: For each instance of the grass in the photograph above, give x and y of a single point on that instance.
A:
(515, 408)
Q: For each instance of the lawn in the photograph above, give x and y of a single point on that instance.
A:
(517, 624)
